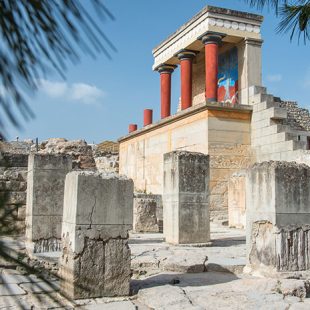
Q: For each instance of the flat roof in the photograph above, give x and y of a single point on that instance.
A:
(188, 112)
(216, 10)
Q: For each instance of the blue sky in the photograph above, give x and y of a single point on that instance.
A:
(101, 97)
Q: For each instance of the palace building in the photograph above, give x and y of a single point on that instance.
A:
(224, 109)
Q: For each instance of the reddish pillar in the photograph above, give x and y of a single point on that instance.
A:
(211, 42)
(186, 60)
(147, 117)
(165, 89)
(132, 128)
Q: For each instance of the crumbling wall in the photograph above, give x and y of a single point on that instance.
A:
(13, 172)
(80, 152)
(145, 213)
(107, 161)
(13, 185)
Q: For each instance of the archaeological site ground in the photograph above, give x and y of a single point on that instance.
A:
(207, 208)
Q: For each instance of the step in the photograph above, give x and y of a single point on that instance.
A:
(279, 147)
(271, 139)
(267, 131)
(274, 113)
(265, 105)
(258, 98)
(254, 90)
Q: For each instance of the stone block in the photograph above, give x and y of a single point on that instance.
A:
(45, 196)
(16, 198)
(278, 213)
(186, 197)
(13, 160)
(236, 200)
(145, 213)
(98, 211)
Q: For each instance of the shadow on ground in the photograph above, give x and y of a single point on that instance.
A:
(183, 280)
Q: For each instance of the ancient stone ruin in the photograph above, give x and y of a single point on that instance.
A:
(278, 213)
(203, 196)
(97, 216)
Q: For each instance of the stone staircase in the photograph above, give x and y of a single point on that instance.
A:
(279, 128)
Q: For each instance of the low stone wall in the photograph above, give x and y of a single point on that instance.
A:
(107, 161)
(80, 152)
(145, 209)
(13, 185)
(13, 172)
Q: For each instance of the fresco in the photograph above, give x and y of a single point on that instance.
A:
(228, 77)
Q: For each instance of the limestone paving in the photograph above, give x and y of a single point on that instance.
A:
(156, 288)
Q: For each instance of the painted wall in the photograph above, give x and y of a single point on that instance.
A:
(228, 76)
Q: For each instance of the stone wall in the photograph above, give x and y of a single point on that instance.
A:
(107, 161)
(147, 211)
(13, 172)
(298, 118)
(236, 200)
(13, 185)
(223, 132)
(79, 150)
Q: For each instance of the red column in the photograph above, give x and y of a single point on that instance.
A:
(165, 89)
(147, 117)
(186, 60)
(132, 128)
(211, 42)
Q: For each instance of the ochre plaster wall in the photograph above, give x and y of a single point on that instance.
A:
(224, 135)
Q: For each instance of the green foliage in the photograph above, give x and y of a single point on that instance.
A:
(38, 36)
(295, 16)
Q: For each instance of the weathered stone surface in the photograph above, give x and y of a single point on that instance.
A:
(185, 197)
(97, 216)
(236, 200)
(171, 297)
(107, 161)
(277, 199)
(145, 213)
(45, 194)
(13, 196)
(79, 150)
(13, 160)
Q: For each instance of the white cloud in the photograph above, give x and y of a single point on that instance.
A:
(80, 92)
(85, 93)
(53, 89)
(274, 77)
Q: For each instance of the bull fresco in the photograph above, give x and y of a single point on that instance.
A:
(228, 77)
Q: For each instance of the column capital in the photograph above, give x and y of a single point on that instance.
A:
(211, 37)
(257, 42)
(186, 54)
(165, 68)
